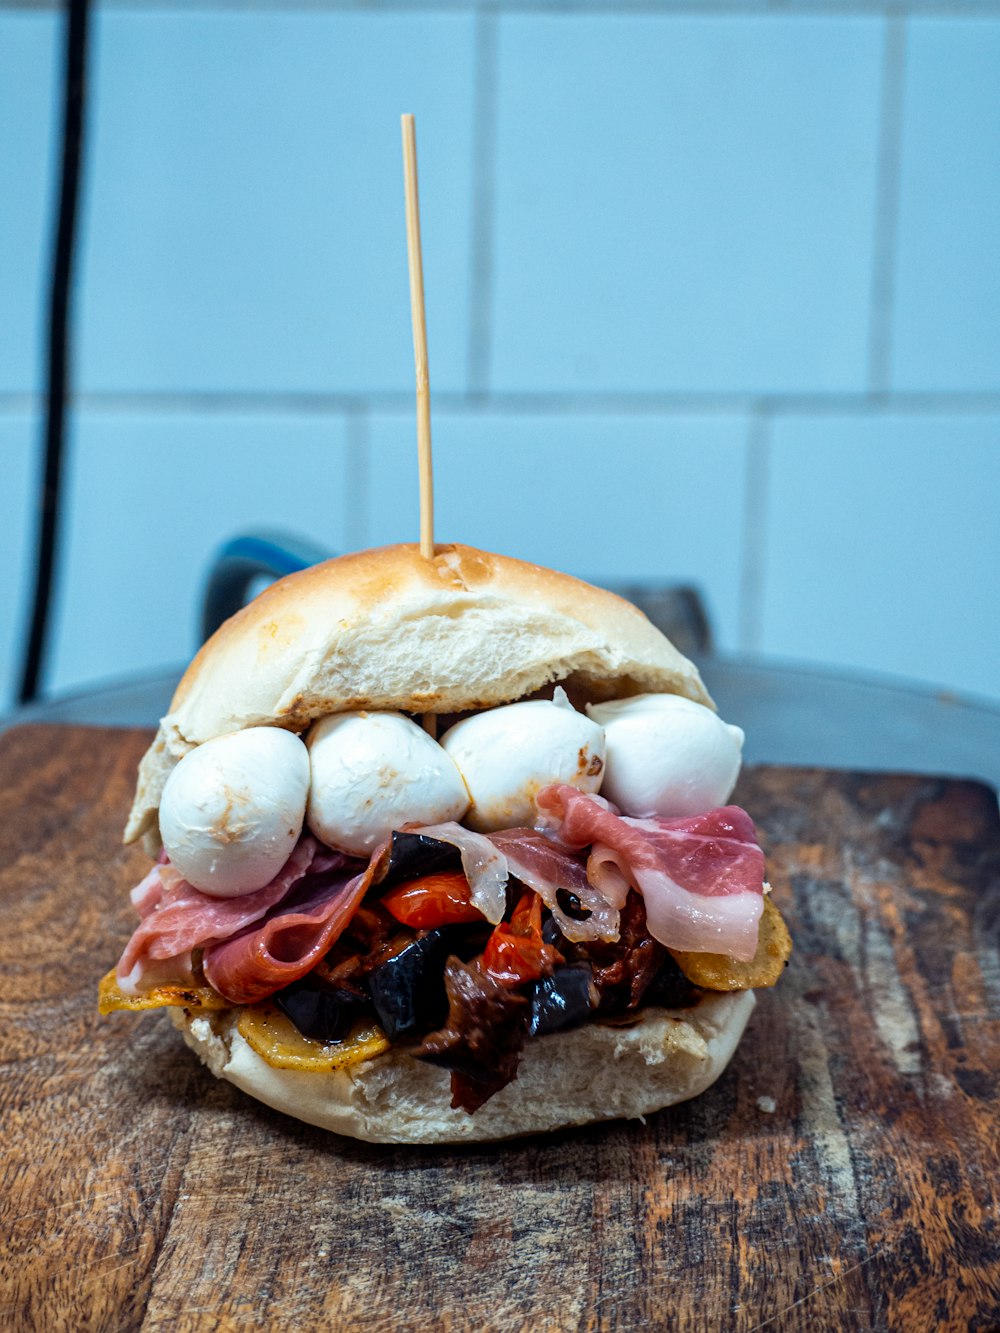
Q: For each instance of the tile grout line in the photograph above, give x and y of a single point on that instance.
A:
(554, 403)
(957, 9)
(481, 258)
(883, 280)
(754, 537)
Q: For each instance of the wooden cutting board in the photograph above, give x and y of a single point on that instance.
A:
(843, 1173)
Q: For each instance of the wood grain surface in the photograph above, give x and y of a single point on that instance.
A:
(136, 1192)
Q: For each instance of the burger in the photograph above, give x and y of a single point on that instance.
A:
(442, 851)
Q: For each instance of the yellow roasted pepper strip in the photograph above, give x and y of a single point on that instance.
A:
(110, 997)
(714, 971)
(280, 1044)
(263, 1026)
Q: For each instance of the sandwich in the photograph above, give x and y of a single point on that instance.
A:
(442, 851)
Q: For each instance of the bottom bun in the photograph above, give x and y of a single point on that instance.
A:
(601, 1071)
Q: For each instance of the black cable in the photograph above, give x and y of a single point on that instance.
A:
(57, 365)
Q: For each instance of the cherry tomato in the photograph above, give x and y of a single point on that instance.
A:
(435, 900)
(515, 952)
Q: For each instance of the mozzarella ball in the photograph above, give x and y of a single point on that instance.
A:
(666, 755)
(507, 755)
(375, 772)
(232, 809)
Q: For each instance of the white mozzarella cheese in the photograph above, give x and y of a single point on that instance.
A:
(507, 755)
(232, 809)
(375, 772)
(667, 755)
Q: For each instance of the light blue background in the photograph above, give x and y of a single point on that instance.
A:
(694, 209)
(713, 296)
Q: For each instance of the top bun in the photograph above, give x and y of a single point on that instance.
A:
(388, 629)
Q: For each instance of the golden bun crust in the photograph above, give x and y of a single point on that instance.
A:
(387, 629)
(596, 1072)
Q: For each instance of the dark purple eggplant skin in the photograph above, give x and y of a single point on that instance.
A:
(321, 1013)
(551, 933)
(408, 989)
(560, 1001)
(406, 993)
(413, 855)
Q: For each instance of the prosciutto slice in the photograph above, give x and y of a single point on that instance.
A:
(177, 917)
(148, 893)
(484, 866)
(547, 868)
(489, 860)
(701, 877)
(291, 940)
(256, 944)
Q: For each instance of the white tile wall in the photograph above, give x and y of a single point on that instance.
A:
(684, 203)
(607, 497)
(245, 228)
(28, 65)
(664, 249)
(150, 497)
(946, 333)
(883, 545)
(18, 518)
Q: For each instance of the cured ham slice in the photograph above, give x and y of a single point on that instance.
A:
(484, 866)
(177, 917)
(148, 893)
(256, 944)
(701, 877)
(547, 868)
(297, 934)
(290, 941)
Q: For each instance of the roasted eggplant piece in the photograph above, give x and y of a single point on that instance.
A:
(551, 933)
(408, 989)
(413, 855)
(563, 1000)
(321, 1013)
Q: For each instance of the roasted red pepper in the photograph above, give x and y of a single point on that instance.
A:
(435, 900)
(515, 952)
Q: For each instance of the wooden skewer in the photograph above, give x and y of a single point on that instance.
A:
(419, 338)
(416, 262)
